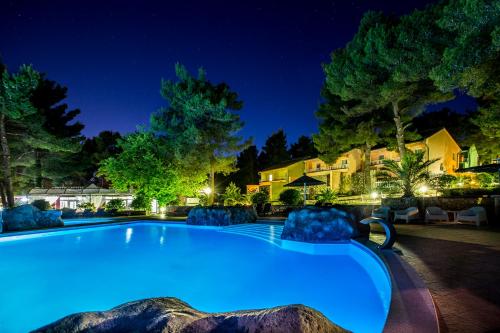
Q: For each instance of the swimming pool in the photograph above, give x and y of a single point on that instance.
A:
(45, 276)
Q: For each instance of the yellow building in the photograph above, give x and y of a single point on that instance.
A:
(440, 145)
(333, 174)
(273, 178)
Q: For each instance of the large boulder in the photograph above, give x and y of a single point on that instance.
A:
(221, 216)
(319, 225)
(28, 217)
(174, 316)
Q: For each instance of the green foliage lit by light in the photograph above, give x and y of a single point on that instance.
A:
(327, 195)
(233, 196)
(408, 175)
(291, 197)
(115, 204)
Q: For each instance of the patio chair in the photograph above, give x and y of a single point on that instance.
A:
(408, 214)
(474, 214)
(435, 214)
(382, 212)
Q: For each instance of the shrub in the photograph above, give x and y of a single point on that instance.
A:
(291, 197)
(260, 198)
(326, 196)
(41, 204)
(232, 196)
(442, 182)
(115, 204)
(485, 180)
(86, 206)
(140, 202)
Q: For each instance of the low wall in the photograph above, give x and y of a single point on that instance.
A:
(446, 203)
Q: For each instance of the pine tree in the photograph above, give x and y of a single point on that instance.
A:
(275, 150)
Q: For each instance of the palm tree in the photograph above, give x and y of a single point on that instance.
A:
(408, 175)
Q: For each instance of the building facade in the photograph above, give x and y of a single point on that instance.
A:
(71, 197)
(440, 145)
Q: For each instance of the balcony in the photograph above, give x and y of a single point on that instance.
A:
(381, 162)
(329, 168)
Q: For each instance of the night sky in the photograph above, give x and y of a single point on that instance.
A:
(112, 54)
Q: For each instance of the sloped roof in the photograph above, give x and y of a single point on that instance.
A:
(91, 189)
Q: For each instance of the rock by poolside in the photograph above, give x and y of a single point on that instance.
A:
(174, 316)
(28, 217)
(319, 225)
(221, 216)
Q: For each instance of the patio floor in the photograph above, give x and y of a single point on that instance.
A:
(461, 267)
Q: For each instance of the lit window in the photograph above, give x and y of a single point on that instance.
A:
(271, 177)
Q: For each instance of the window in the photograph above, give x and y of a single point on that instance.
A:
(328, 180)
(441, 167)
(380, 157)
(344, 163)
(270, 177)
(318, 166)
(418, 151)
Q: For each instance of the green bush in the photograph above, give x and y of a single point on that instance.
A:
(470, 192)
(442, 182)
(115, 204)
(326, 196)
(141, 203)
(86, 206)
(291, 197)
(260, 198)
(232, 196)
(41, 204)
(485, 180)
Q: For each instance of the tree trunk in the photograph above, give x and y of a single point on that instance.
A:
(38, 168)
(212, 183)
(2, 194)
(400, 131)
(7, 179)
(366, 169)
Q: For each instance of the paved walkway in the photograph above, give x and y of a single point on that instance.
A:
(461, 267)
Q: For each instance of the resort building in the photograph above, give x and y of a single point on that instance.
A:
(439, 145)
(71, 197)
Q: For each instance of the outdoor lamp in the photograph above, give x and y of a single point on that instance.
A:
(423, 189)
(207, 190)
(374, 195)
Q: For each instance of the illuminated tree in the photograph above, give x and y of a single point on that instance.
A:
(15, 93)
(201, 123)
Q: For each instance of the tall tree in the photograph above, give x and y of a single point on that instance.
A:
(248, 168)
(387, 64)
(304, 147)
(342, 129)
(147, 166)
(274, 150)
(470, 60)
(201, 122)
(15, 94)
(57, 121)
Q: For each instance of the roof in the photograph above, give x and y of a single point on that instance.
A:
(305, 180)
(91, 189)
(284, 164)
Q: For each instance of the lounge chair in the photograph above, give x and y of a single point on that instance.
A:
(474, 214)
(382, 212)
(407, 214)
(435, 214)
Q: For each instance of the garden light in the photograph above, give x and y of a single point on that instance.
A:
(207, 190)
(423, 189)
(374, 195)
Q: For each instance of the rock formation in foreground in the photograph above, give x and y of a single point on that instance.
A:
(174, 316)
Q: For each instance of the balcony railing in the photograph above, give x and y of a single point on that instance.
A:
(381, 162)
(328, 168)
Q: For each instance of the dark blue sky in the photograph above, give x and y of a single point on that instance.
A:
(112, 54)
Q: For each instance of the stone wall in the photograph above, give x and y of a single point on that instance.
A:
(446, 203)
(221, 216)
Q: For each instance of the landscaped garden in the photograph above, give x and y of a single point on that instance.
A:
(384, 219)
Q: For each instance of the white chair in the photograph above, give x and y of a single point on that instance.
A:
(435, 214)
(407, 214)
(382, 212)
(474, 214)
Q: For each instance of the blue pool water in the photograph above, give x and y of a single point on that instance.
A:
(50, 275)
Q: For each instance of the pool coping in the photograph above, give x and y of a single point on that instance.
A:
(411, 309)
